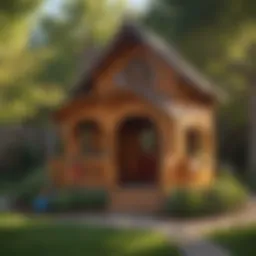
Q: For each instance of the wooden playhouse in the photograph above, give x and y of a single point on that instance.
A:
(140, 122)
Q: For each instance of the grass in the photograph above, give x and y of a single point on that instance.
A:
(23, 236)
(238, 241)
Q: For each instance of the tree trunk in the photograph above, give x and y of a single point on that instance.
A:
(252, 130)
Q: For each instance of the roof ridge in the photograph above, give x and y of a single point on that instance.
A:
(167, 51)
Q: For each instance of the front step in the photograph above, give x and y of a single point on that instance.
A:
(136, 200)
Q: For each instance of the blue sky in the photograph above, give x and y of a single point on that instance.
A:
(52, 5)
(138, 3)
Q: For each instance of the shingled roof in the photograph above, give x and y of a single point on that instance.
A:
(167, 52)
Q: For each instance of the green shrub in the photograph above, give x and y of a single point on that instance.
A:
(30, 187)
(75, 200)
(184, 202)
(22, 160)
(225, 195)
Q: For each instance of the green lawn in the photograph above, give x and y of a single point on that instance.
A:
(22, 236)
(240, 241)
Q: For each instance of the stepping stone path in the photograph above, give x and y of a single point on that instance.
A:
(201, 248)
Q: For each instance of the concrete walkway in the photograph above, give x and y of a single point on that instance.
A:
(202, 248)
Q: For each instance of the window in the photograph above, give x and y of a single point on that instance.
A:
(88, 136)
(194, 143)
(138, 73)
(148, 140)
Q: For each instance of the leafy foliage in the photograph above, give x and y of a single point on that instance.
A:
(225, 195)
(18, 63)
(39, 53)
(36, 69)
(81, 26)
(84, 199)
(29, 188)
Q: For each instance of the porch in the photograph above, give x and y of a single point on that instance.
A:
(134, 151)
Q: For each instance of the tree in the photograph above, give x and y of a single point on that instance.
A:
(247, 68)
(38, 59)
(36, 69)
(82, 24)
(251, 78)
(212, 34)
(17, 63)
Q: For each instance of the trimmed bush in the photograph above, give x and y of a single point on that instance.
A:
(185, 202)
(30, 188)
(76, 200)
(225, 195)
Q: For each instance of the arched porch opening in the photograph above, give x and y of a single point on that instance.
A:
(138, 153)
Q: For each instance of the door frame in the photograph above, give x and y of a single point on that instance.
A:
(159, 150)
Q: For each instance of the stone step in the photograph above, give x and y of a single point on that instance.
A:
(136, 200)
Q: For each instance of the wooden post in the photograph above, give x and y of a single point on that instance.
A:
(109, 147)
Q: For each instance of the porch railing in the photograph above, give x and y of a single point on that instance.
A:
(182, 173)
(87, 171)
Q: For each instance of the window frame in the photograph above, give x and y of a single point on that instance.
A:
(131, 77)
(194, 146)
(86, 134)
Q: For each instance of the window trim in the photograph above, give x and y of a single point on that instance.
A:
(89, 128)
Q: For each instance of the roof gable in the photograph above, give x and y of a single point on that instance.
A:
(132, 34)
